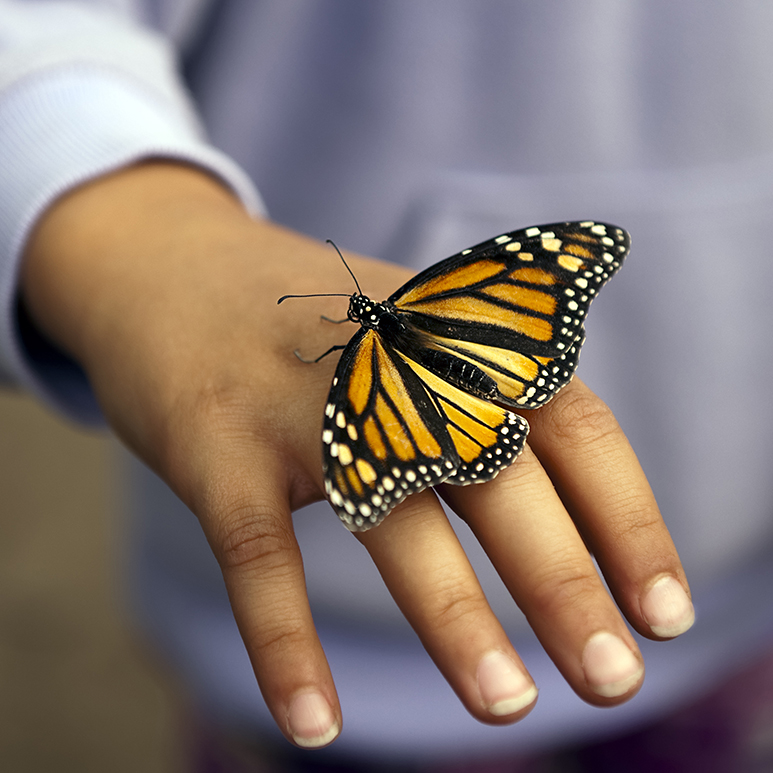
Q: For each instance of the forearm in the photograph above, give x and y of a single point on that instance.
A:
(84, 92)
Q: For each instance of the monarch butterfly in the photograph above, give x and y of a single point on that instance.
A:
(421, 392)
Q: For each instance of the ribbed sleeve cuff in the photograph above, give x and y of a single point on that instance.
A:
(59, 129)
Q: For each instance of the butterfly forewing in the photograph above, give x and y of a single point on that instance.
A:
(514, 306)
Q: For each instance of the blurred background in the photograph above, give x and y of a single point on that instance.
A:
(78, 692)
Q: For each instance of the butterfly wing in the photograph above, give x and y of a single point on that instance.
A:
(486, 437)
(382, 437)
(499, 323)
(512, 307)
(392, 428)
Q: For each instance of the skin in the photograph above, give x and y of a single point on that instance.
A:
(160, 285)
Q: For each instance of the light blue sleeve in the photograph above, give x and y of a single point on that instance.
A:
(84, 90)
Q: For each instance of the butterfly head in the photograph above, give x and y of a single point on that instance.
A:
(366, 312)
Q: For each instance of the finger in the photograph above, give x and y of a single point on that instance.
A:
(595, 470)
(528, 535)
(247, 521)
(429, 576)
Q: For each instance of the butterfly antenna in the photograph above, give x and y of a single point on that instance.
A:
(330, 241)
(314, 295)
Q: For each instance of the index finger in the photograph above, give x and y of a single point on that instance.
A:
(240, 498)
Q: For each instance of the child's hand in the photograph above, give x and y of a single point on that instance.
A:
(160, 285)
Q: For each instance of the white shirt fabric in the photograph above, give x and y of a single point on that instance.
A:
(410, 130)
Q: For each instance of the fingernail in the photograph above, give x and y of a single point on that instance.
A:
(504, 688)
(667, 608)
(609, 665)
(311, 720)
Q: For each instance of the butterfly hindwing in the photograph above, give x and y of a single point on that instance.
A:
(486, 436)
(514, 306)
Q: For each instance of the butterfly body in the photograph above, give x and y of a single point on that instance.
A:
(386, 319)
(423, 392)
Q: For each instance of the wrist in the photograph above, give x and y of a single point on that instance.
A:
(99, 251)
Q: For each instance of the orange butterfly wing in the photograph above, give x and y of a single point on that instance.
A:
(514, 306)
(419, 400)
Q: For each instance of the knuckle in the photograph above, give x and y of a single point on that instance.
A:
(634, 521)
(221, 405)
(282, 637)
(578, 417)
(565, 586)
(215, 410)
(256, 537)
(457, 606)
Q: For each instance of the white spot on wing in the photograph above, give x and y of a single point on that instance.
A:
(344, 454)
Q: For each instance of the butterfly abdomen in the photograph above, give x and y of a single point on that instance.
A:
(459, 372)
(385, 318)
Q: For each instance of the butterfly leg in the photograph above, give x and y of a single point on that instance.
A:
(321, 356)
(335, 321)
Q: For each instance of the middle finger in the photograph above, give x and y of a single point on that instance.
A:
(429, 576)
